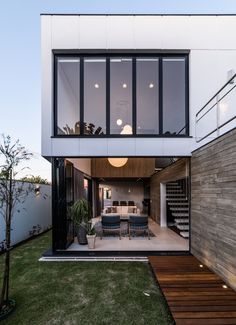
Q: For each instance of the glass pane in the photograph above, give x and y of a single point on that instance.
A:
(174, 96)
(95, 96)
(121, 96)
(68, 96)
(147, 96)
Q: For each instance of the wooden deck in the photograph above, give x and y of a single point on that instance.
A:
(195, 294)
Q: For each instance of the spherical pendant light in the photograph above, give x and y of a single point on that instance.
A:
(117, 162)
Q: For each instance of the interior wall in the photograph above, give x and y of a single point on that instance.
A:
(82, 164)
(177, 170)
(125, 191)
(213, 207)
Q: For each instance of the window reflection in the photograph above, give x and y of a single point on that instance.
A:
(121, 96)
(94, 96)
(174, 96)
(147, 96)
(68, 96)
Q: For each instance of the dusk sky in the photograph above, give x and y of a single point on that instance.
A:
(20, 88)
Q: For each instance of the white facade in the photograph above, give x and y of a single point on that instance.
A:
(212, 44)
(35, 211)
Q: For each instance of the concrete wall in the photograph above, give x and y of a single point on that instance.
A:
(178, 170)
(212, 47)
(213, 207)
(125, 191)
(36, 210)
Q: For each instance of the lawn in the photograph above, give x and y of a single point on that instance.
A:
(81, 292)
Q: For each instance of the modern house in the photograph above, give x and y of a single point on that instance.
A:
(138, 117)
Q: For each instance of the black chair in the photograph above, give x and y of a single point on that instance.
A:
(138, 224)
(131, 203)
(111, 223)
(123, 203)
(115, 203)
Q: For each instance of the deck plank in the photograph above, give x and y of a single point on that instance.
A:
(195, 294)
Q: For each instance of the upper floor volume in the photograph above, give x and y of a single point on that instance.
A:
(130, 77)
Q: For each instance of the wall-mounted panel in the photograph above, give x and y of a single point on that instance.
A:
(135, 167)
(65, 32)
(93, 32)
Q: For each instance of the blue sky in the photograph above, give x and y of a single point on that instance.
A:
(20, 56)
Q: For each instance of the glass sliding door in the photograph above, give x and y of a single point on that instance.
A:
(174, 92)
(121, 96)
(147, 83)
(94, 96)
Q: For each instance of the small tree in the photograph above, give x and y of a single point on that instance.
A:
(11, 193)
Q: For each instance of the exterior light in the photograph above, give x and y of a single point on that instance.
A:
(201, 265)
(119, 121)
(224, 286)
(151, 85)
(117, 162)
(96, 86)
(124, 85)
(37, 189)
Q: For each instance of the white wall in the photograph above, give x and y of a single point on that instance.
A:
(210, 39)
(36, 210)
(83, 164)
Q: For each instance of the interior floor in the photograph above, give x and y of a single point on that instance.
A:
(164, 240)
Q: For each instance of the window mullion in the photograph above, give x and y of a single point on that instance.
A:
(134, 96)
(160, 96)
(81, 96)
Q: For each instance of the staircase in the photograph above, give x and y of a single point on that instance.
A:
(178, 206)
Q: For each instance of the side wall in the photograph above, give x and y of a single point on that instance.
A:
(213, 207)
(35, 211)
(176, 171)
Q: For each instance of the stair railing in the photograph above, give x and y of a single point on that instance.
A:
(217, 113)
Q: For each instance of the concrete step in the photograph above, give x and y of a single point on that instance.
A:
(184, 234)
(183, 227)
(175, 195)
(181, 220)
(176, 199)
(172, 183)
(178, 204)
(178, 209)
(179, 214)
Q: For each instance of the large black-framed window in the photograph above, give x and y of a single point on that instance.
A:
(121, 95)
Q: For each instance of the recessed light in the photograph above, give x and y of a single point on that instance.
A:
(151, 85)
(119, 121)
(200, 265)
(224, 286)
(124, 85)
(96, 85)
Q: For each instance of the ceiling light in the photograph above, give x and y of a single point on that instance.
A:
(117, 162)
(96, 85)
(200, 265)
(224, 286)
(151, 85)
(124, 85)
(119, 121)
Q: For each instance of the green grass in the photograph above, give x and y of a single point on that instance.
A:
(81, 292)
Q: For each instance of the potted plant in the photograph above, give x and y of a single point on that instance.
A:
(80, 212)
(91, 235)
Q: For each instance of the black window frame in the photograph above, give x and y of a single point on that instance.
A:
(121, 53)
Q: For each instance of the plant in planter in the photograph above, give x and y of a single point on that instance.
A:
(91, 235)
(80, 213)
